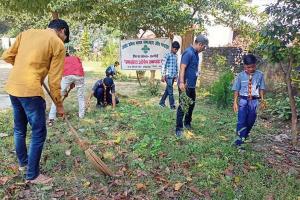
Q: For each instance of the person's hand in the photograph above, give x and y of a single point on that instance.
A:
(235, 107)
(72, 86)
(263, 105)
(163, 79)
(60, 111)
(87, 104)
(182, 86)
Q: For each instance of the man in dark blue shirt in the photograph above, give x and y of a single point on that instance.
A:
(188, 75)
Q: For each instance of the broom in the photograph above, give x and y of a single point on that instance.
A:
(99, 165)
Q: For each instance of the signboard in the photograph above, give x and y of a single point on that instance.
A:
(144, 54)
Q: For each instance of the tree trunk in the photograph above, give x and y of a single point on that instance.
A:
(54, 15)
(138, 78)
(152, 76)
(292, 105)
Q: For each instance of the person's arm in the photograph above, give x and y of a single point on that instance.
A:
(236, 88)
(185, 60)
(10, 54)
(235, 101)
(176, 69)
(55, 75)
(163, 68)
(113, 95)
(262, 88)
(181, 77)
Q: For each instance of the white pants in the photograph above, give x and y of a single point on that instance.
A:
(65, 84)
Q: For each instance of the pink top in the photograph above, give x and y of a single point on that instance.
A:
(73, 66)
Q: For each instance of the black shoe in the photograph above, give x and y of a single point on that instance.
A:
(179, 133)
(162, 105)
(100, 105)
(188, 126)
(173, 107)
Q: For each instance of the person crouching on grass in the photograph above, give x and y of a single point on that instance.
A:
(104, 91)
(248, 88)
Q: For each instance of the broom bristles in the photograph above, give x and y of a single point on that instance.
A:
(97, 162)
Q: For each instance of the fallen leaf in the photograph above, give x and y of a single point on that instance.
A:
(224, 138)
(58, 193)
(160, 178)
(87, 184)
(118, 140)
(229, 171)
(4, 179)
(68, 152)
(46, 188)
(270, 197)
(279, 151)
(162, 188)
(196, 191)
(189, 135)
(140, 186)
(178, 186)
(3, 135)
(189, 179)
(237, 180)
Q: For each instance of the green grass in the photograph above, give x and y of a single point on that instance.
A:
(137, 141)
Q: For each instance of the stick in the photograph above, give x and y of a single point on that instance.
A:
(90, 154)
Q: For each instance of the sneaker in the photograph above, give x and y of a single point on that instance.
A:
(41, 179)
(188, 126)
(22, 169)
(173, 107)
(162, 105)
(50, 122)
(178, 133)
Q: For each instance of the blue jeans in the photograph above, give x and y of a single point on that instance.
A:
(32, 110)
(168, 92)
(246, 118)
(190, 92)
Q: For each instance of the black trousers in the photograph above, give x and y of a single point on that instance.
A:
(190, 92)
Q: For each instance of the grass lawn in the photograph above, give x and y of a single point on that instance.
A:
(138, 142)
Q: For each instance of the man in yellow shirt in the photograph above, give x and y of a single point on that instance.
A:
(34, 55)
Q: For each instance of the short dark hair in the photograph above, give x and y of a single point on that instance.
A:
(117, 63)
(59, 24)
(201, 39)
(249, 59)
(176, 45)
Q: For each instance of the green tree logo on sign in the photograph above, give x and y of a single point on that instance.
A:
(146, 49)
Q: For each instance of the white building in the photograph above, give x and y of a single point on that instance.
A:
(220, 35)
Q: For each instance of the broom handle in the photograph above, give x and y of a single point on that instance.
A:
(73, 131)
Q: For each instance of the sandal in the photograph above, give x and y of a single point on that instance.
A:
(50, 122)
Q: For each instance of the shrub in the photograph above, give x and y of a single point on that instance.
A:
(279, 107)
(153, 88)
(220, 91)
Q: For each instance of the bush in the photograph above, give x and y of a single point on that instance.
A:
(220, 91)
(219, 61)
(153, 88)
(279, 107)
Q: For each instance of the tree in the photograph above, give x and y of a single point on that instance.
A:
(85, 44)
(279, 43)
